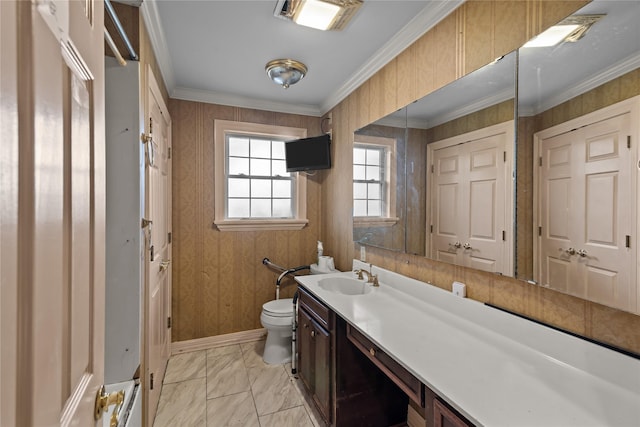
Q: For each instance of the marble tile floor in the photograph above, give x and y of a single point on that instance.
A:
(232, 386)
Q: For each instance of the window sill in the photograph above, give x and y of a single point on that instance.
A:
(363, 221)
(260, 224)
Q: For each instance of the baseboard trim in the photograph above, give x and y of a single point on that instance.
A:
(218, 341)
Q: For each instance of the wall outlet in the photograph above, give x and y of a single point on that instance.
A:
(459, 289)
(363, 253)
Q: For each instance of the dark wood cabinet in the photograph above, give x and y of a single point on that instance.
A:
(346, 387)
(314, 356)
(443, 416)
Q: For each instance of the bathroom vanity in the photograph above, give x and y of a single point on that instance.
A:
(364, 355)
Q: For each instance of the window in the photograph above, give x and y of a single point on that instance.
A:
(253, 190)
(374, 199)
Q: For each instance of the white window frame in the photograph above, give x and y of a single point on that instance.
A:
(388, 218)
(221, 129)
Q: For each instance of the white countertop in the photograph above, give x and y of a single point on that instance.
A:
(495, 368)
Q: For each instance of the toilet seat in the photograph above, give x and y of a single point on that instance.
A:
(279, 308)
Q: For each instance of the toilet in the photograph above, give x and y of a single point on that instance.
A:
(277, 318)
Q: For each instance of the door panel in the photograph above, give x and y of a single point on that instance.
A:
(57, 151)
(158, 260)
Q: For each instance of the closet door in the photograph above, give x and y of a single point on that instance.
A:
(587, 214)
(469, 200)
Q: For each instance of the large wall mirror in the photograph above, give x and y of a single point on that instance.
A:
(452, 197)
(577, 193)
(466, 194)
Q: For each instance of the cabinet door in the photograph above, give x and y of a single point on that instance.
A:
(445, 417)
(306, 353)
(322, 354)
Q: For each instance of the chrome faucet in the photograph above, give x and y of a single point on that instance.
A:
(371, 278)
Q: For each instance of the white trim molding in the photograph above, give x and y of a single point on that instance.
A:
(218, 341)
(151, 18)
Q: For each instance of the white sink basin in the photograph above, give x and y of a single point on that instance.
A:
(345, 286)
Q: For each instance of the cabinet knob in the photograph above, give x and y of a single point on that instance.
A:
(305, 326)
(313, 333)
(372, 351)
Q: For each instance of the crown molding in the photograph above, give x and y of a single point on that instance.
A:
(616, 70)
(152, 20)
(426, 19)
(481, 104)
(211, 97)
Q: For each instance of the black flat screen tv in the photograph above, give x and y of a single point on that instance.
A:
(308, 154)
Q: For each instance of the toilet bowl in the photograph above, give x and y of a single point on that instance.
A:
(277, 318)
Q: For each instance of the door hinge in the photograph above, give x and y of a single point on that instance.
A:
(432, 169)
(169, 153)
(151, 254)
(151, 125)
(627, 241)
(151, 381)
(628, 141)
(540, 161)
(539, 231)
(169, 322)
(431, 228)
(169, 237)
(504, 236)
(504, 156)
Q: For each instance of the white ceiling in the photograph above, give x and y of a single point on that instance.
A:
(215, 51)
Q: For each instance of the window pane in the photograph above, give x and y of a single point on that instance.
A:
(238, 146)
(359, 172)
(279, 168)
(359, 208)
(359, 155)
(277, 150)
(282, 208)
(374, 208)
(260, 188)
(238, 166)
(359, 190)
(373, 172)
(373, 157)
(282, 189)
(260, 167)
(260, 208)
(374, 191)
(261, 148)
(238, 187)
(238, 208)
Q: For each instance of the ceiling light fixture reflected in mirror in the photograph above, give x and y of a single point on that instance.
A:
(571, 30)
(285, 72)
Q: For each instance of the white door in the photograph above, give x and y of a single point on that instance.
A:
(470, 201)
(587, 212)
(53, 193)
(158, 259)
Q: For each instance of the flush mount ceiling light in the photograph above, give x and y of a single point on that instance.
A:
(571, 30)
(285, 72)
(319, 14)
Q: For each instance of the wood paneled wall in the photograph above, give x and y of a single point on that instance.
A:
(219, 282)
(472, 36)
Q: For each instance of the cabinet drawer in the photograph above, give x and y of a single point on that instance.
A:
(396, 372)
(315, 308)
